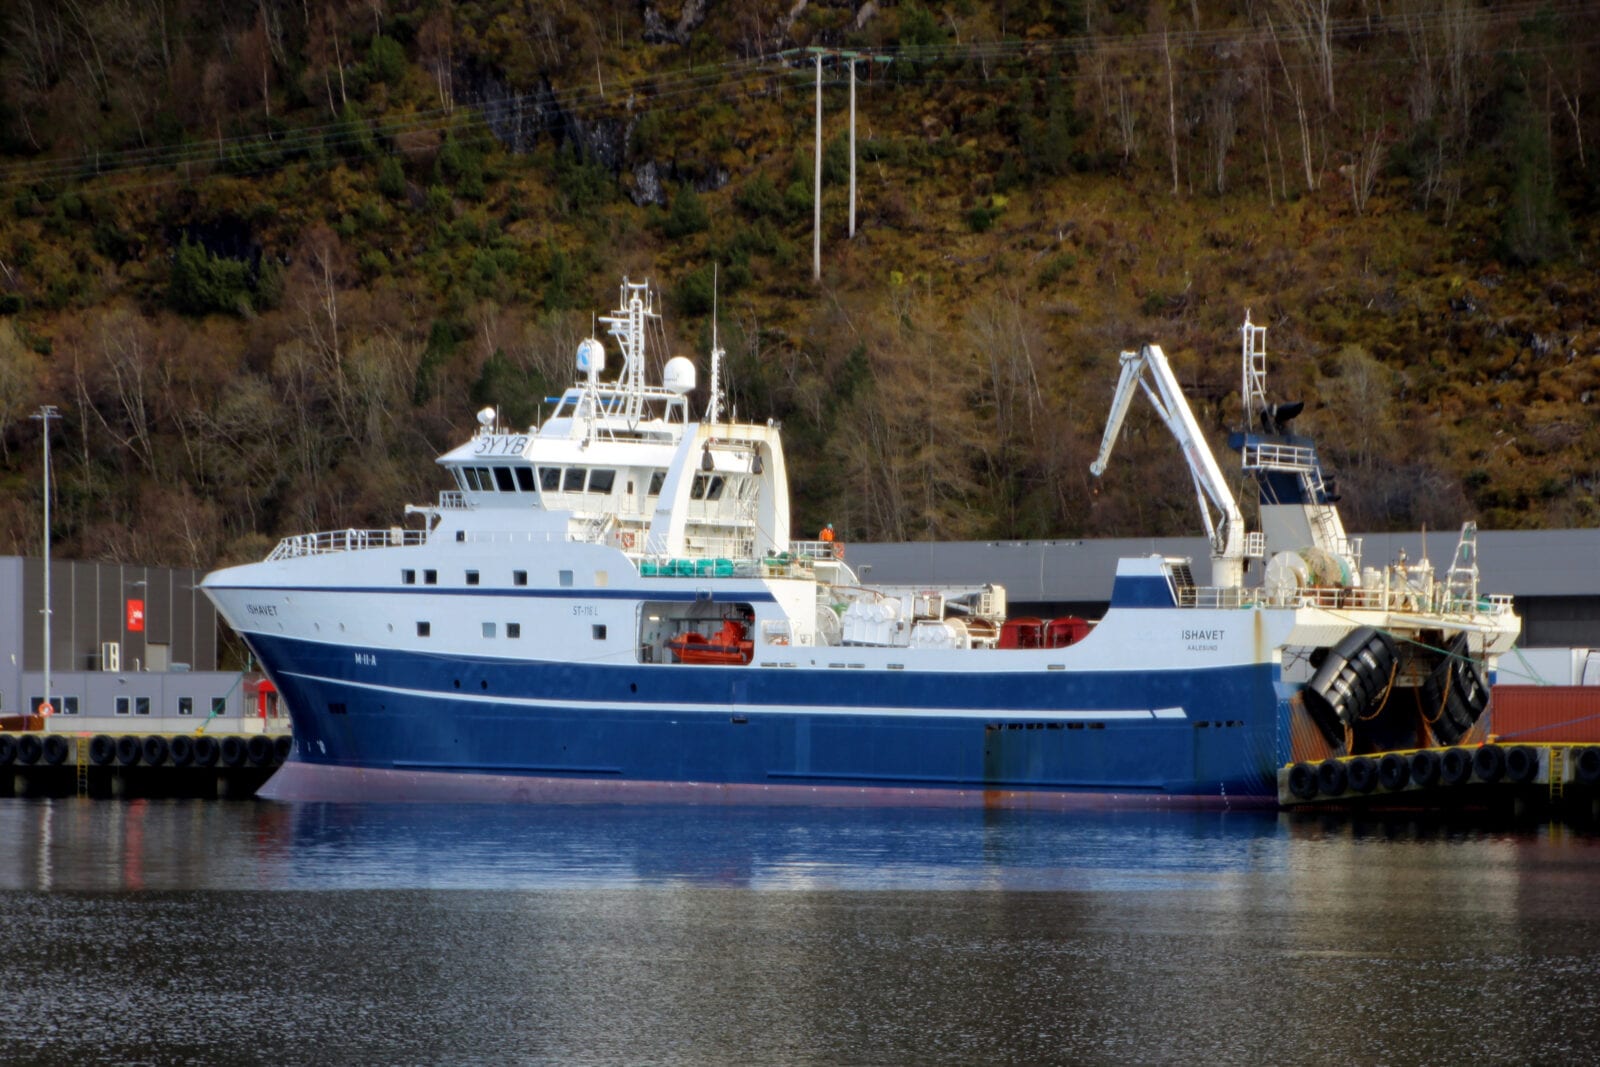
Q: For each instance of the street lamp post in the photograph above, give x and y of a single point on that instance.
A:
(45, 413)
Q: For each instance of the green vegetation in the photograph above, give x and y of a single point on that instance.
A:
(269, 258)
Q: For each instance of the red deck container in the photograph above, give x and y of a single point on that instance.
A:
(1558, 714)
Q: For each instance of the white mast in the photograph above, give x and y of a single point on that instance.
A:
(714, 402)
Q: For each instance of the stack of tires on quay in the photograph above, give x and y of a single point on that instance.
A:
(58, 764)
(1552, 774)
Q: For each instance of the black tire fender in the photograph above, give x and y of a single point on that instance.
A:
(1425, 768)
(129, 750)
(1489, 763)
(1394, 772)
(56, 750)
(1363, 774)
(232, 751)
(102, 750)
(181, 748)
(155, 750)
(1522, 764)
(1303, 780)
(1331, 777)
(1455, 766)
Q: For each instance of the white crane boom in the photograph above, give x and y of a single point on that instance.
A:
(1226, 530)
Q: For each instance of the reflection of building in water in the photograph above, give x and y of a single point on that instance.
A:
(132, 649)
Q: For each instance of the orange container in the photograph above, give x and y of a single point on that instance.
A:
(1558, 714)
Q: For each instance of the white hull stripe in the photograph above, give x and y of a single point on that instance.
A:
(1032, 715)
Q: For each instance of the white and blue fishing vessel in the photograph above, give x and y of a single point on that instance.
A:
(609, 605)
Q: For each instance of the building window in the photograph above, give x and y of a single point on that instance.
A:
(519, 577)
(424, 629)
(565, 578)
(186, 705)
(599, 631)
(69, 705)
(141, 705)
(124, 705)
(488, 629)
(408, 577)
(513, 629)
(430, 577)
(472, 577)
(219, 705)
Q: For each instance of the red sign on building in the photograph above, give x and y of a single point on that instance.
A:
(135, 616)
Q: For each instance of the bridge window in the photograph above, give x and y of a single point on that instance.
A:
(505, 480)
(468, 477)
(524, 478)
(573, 481)
(601, 481)
(550, 479)
(657, 480)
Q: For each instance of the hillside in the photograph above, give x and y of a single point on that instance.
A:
(269, 259)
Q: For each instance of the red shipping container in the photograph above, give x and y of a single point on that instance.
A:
(1557, 714)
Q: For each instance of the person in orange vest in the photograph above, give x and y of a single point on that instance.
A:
(826, 536)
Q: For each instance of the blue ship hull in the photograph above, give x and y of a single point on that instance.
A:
(413, 723)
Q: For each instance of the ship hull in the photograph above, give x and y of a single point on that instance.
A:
(386, 724)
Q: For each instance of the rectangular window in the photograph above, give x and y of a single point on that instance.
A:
(67, 705)
(424, 629)
(513, 629)
(472, 577)
(505, 480)
(572, 482)
(550, 479)
(525, 479)
(601, 481)
(430, 577)
(599, 631)
(565, 578)
(469, 475)
(124, 705)
(656, 481)
(488, 629)
(141, 705)
(408, 577)
(486, 479)
(519, 577)
(219, 705)
(186, 705)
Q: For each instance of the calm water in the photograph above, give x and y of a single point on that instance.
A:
(192, 932)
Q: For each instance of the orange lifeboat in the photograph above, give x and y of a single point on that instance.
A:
(729, 645)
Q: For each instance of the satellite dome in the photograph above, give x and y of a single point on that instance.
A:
(486, 418)
(679, 375)
(591, 356)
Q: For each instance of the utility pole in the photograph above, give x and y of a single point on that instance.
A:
(45, 413)
(852, 59)
(816, 192)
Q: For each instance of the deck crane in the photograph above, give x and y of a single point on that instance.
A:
(1225, 528)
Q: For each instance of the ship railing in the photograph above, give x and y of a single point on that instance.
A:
(331, 541)
(816, 549)
(1397, 599)
(452, 500)
(1271, 456)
